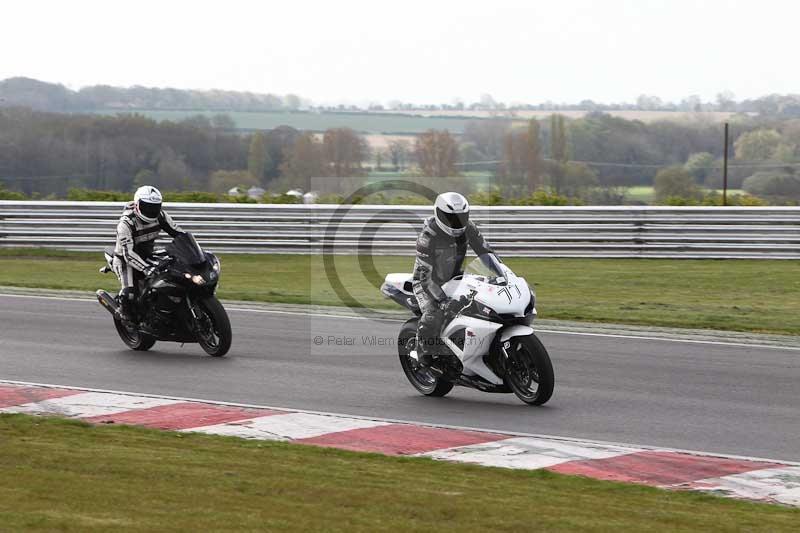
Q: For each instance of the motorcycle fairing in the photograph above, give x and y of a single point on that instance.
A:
(478, 335)
(511, 298)
(398, 287)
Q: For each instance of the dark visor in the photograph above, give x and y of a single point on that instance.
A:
(149, 210)
(453, 220)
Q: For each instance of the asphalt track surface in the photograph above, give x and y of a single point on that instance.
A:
(713, 398)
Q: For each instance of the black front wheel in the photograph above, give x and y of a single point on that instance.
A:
(214, 328)
(132, 337)
(529, 371)
(421, 378)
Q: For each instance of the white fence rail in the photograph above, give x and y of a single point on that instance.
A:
(674, 232)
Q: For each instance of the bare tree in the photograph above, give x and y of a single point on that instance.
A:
(437, 153)
(487, 137)
(520, 172)
(344, 150)
(559, 152)
(398, 153)
(303, 161)
(258, 158)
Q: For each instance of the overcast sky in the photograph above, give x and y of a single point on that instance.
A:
(416, 51)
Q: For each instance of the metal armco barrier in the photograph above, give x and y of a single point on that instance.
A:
(616, 231)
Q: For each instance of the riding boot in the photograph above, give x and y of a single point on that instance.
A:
(430, 326)
(126, 304)
(424, 353)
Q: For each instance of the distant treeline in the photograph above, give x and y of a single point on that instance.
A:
(605, 151)
(591, 159)
(43, 96)
(49, 153)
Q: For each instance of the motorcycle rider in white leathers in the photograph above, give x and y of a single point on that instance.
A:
(441, 248)
(139, 226)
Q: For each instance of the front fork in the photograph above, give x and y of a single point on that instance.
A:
(201, 322)
(196, 324)
(504, 341)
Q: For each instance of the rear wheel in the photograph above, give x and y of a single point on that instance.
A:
(529, 371)
(214, 330)
(421, 378)
(133, 338)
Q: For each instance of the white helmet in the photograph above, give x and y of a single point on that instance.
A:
(452, 213)
(147, 203)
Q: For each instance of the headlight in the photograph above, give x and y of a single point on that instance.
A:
(216, 266)
(197, 279)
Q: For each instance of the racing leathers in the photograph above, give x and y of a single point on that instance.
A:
(440, 258)
(135, 243)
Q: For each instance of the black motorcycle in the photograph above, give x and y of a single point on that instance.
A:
(176, 303)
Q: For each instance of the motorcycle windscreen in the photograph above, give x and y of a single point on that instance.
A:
(185, 249)
(489, 266)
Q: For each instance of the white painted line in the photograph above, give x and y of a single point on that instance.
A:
(548, 331)
(529, 453)
(666, 339)
(290, 426)
(62, 298)
(238, 309)
(316, 315)
(576, 441)
(89, 404)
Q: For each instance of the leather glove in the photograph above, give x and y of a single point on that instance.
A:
(152, 266)
(450, 306)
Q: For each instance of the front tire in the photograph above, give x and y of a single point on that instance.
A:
(214, 334)
(420, 378)
(133, 338)
(529, 371)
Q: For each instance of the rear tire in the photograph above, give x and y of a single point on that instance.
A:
(529, 371)
(218, 342)
(133, 338)
(422, 379)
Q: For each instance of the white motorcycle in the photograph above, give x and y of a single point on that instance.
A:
(488, 345)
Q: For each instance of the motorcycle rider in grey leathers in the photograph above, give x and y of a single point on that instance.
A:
(441, 248)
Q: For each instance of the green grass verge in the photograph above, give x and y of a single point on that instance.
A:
(741, 295)
(68, 476)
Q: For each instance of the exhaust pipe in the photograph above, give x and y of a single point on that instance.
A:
(108, 301)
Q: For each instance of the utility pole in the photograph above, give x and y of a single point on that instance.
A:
(725, 169)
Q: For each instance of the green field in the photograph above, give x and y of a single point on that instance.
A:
(59, 475)
(741, 295)
(361, 122)
(647, 194)
(642, 193)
